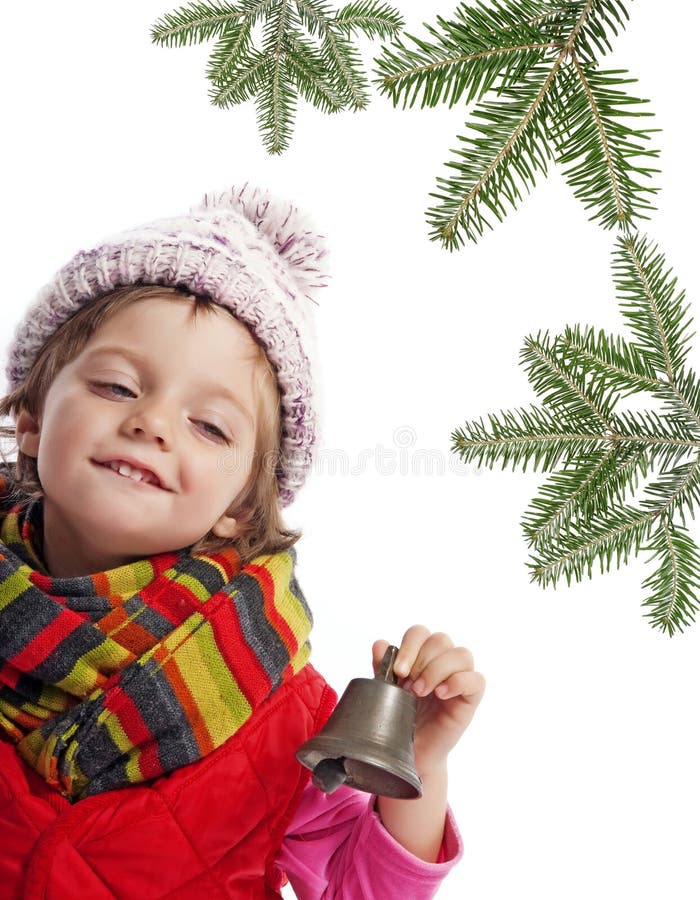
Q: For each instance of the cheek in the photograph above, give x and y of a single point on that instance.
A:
(64, 432)
(234, 465)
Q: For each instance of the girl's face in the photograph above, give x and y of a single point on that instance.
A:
(166, 392)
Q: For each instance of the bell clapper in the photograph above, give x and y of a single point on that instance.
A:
(329, 774)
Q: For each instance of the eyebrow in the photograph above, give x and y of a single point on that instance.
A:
(212, 387)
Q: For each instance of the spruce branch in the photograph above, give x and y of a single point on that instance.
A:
(307, 66)
(655, 312)
(588, 130)
(315, 14)
(306, 51)
(598, 505)
(504, 149)
(195, 23)
(248, 78)
(588, 24)
(229, 52)
(538, 61)
(682, 398)
(666, 437)
(573, 552)
(342, 62)
(677, 488)
(673, 598)
(276, 100)
(376, 21)
(609, 358)
(583, 488)
(563, 387)
(466, 56)
(534, 437)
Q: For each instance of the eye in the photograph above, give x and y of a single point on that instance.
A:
(114, 388)
(217, 432)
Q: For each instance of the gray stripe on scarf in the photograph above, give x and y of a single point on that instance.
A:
(16, 628)
(260, 636)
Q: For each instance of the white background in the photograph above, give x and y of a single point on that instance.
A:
(579, 776)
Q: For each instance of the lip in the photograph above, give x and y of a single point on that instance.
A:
(136, 464)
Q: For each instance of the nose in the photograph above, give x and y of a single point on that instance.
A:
(151, 421)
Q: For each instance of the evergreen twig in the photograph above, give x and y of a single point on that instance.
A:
(538, 59)
(585, 514)
(306, 50)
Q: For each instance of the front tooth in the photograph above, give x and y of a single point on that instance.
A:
(133, 473)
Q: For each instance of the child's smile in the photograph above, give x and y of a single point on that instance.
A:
(133, 470)
(136, 474)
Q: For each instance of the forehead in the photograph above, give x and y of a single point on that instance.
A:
(177, 319)
(160, 324)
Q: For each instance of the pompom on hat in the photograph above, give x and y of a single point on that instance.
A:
(254, 254)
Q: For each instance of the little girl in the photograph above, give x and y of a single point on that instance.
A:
(154, 674)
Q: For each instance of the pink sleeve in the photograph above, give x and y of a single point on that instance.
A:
(336, 846)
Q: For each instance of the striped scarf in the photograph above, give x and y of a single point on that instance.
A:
(114, 678)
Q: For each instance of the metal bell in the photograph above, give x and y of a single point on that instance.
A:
(367, 743)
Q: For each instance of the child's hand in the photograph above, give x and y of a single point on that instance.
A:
(442, 676)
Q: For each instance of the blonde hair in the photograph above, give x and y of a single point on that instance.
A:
(256, 508)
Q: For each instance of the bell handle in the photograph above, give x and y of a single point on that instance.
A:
(386, 666)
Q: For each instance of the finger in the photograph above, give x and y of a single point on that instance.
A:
(441, 667)
(409, 648)
(434, 646)
(379, 648)
(468, 685)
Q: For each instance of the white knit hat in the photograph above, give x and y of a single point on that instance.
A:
(249, 252)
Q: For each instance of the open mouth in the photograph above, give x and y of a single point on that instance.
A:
(137, 477)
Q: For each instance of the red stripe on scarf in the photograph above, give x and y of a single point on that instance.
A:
(9, 675)
(251, 676)
(46, 641)
(149, 762)
(267, 586)
(128, 716)
(169, 598)
(175, 602)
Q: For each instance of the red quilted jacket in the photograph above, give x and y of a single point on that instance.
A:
(208, 830)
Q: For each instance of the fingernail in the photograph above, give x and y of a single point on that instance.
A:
(419, 686)
(407, 685)
(401, 668)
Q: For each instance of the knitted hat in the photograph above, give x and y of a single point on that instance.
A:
(249, 252)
